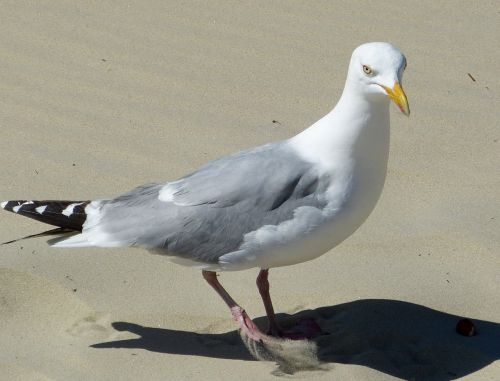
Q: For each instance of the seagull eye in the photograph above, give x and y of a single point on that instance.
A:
(367, 69)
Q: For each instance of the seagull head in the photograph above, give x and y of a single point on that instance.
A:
(376, 69)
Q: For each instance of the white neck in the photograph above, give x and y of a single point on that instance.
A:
(357, 128)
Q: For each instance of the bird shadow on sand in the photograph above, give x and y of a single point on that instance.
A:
(400, 339)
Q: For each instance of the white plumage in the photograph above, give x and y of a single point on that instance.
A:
(274, 205)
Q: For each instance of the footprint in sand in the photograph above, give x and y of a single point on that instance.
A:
(45, 308)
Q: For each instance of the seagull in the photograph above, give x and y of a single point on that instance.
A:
(275, 205)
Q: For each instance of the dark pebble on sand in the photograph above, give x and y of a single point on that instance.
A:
(465, 327)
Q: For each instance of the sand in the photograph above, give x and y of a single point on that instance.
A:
(98, 97)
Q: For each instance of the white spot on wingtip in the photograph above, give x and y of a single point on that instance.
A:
(41, 209)
(16, 208)
(3, 203)
(68, 211)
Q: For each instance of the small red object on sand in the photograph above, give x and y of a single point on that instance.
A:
(465, 327)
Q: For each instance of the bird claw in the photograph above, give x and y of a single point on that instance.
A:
(246, 324)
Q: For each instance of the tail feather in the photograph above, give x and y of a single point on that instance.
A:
(68, 215)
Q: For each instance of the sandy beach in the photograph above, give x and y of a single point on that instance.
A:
(99, 97)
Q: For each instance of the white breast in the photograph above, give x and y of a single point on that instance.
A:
(354, 155)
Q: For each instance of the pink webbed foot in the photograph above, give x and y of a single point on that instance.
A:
(246, 324)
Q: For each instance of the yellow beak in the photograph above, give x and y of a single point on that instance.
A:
(398, 96)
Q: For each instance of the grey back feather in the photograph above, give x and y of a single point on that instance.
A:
(214, 207)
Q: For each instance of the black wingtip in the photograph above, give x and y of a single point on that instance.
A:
(10, 205)
(65, 214)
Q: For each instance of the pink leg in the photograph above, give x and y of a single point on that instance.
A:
(305, 329)
(263, 286)
(239, 315)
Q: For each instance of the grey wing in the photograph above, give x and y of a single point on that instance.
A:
(207, 213)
